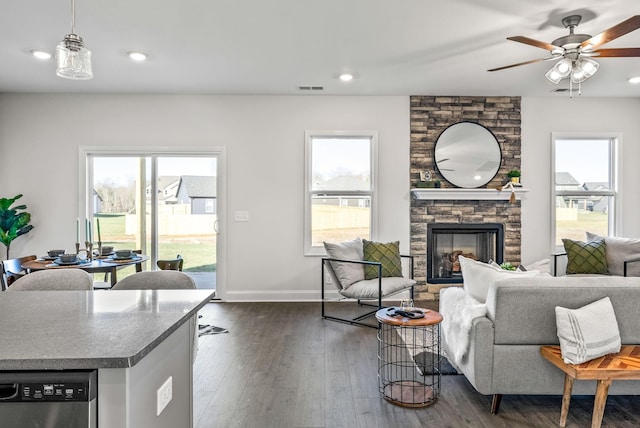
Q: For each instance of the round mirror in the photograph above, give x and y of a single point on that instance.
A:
(467, 155)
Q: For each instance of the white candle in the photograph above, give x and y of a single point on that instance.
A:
(78, 229)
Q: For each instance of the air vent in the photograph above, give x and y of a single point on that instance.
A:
(310, 88)
(561, 90)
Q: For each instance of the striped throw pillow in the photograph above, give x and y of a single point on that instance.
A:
(588, 332)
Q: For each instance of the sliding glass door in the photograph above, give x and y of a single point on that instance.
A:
(165, 205)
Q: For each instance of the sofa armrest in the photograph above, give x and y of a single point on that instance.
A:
(477, 365)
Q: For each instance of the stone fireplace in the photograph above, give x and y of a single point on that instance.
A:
(430, 115)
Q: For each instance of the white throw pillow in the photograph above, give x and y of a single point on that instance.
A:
(617, 251)
(543, 266)
(478, 276)
(588, 332)
(347, 273)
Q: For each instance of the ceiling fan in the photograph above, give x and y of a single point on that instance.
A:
(574, 51)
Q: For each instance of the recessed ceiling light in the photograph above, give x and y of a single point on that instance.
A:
(346, 77)
(635, 79)
(40, 54)
(137, 56)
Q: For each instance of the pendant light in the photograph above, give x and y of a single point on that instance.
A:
(72, 57)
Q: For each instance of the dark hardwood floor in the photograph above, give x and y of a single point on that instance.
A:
(281, 365)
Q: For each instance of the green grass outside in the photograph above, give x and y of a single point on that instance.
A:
(588, 221)
(196, 251)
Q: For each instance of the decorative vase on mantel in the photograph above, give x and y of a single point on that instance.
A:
(514, 176)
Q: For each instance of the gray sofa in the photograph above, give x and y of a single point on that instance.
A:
(503, 356)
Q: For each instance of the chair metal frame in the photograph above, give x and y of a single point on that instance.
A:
(362, 302)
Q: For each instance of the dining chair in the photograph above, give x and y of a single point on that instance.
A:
(54, 280)
(161, 280)
(12, 270)
(171, 264)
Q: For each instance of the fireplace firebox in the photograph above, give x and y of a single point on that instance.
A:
(447, 241)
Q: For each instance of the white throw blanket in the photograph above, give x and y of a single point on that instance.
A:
(458, 311)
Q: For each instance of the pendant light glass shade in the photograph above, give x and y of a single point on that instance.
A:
(73, 59)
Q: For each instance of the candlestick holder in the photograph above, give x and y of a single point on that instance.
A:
(88, 249)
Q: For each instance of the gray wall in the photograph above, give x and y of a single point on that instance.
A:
(264, 137)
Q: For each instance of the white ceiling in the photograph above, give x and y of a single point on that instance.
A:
(393, 47)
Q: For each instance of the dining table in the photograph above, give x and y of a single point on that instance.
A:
(98, 264)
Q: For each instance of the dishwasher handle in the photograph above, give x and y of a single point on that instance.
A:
(8, 391)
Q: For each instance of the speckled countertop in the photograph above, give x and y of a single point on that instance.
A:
(57, 330)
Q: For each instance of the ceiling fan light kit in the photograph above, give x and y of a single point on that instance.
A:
(574, 51)
(73, 59)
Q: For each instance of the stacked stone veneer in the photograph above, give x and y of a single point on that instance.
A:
(430, 115)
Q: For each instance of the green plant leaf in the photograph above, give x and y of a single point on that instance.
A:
(14, 221)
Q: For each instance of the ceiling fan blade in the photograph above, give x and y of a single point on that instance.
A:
(614, 32)
(533, 42)
(620, 52)
(533, 61)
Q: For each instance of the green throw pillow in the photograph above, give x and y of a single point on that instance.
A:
(586, 257)
(388, 254)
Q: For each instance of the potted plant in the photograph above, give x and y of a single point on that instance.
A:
(14, 221)
(514, 175)
(507, 266)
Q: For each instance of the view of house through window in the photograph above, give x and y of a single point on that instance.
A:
(584, 187)
(163, 205)
(340, 188)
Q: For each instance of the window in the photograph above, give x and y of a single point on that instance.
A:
(340, 183)
(585, 187)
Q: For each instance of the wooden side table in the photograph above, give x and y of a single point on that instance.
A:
(625, 365)
(409, 358)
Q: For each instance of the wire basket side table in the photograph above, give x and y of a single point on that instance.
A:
(409, 358)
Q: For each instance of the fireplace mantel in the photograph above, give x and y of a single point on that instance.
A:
(466, 194)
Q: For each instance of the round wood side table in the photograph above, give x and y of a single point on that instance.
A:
(409, 358)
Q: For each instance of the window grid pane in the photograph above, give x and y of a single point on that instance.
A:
(339, 218)
(341, 164)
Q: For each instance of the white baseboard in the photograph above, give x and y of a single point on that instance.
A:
(287, 296)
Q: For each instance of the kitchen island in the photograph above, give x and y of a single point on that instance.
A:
(139, 341)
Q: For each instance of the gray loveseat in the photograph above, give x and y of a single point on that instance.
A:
(503, 356)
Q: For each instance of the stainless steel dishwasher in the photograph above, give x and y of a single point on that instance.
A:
(48, 399)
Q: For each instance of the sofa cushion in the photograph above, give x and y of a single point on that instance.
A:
(368, 289)
(346, 273)
(478, 276)
(588, 332)
(586, 257)
(619, 250)
(386, 253)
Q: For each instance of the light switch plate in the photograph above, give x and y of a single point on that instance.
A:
(241, 215)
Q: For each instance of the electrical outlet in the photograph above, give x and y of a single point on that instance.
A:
(165, 393)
